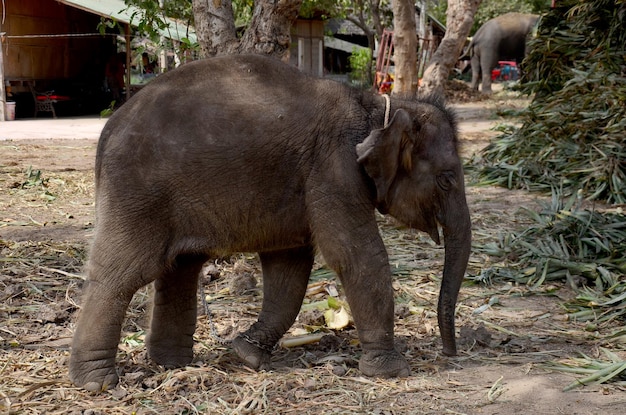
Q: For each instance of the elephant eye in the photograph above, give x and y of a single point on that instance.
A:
(446, 180)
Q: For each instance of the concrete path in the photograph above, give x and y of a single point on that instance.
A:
(49, 128)
(471, 119)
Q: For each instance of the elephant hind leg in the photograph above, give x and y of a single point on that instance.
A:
(96, 337)
(475, 63)
(114, 277)
(285, 278)
(174, 312)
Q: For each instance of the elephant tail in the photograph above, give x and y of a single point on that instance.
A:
(468, 52)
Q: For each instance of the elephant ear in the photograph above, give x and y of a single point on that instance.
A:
(385, 151)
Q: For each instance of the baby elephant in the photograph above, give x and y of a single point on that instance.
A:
(247, 154)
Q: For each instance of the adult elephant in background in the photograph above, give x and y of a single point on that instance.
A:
(501, 38)
(247, 154)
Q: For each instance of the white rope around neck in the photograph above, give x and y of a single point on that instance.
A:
(387, 109)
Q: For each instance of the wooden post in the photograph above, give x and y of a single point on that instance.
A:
(2, 92)
(162, 54)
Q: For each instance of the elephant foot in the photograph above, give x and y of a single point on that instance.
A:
(384, 364)
(168, 353)
(93, 376)
(253, 354)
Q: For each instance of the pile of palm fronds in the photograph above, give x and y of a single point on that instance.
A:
(587, 249)
(572, 141)
(583, 247)
(573, 135)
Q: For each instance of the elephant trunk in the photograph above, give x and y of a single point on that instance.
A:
(458, 240)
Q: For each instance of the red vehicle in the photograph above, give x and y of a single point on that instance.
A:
(505, 71)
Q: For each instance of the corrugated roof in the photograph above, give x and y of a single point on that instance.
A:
(118, 10)
(334, 43)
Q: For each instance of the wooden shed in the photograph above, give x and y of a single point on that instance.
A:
(307, 46)
(57, 44)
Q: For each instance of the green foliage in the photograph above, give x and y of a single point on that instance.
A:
(328, 9)
(179, 9)
(243, 10)
(572, 135)
(149, 20)
(35, 180)
(134, 340)
(361, 65)
(324, 9)
(176, 9)
(107, 112)
(150, 17)
(107, 24)
(438, 10)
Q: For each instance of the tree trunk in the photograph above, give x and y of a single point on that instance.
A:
(405, 48)
(460, 17)
(269, 31)
(215, 27)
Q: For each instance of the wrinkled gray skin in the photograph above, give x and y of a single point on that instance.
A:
(501, 38)
(246, 154)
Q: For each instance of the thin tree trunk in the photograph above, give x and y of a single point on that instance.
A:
(359, 18)
(378, 24)
(371, 38)
(460, 17)
(405, 48)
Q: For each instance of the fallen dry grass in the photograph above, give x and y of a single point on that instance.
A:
(41, 282)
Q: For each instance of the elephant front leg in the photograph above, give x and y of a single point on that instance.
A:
(487, 63)
(370, 296)
(363, 267)
(174, 313)
(285, 278)
(486, 88)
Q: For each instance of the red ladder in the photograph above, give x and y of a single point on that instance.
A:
(383, 81)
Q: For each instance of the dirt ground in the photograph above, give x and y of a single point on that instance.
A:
(46, 223)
